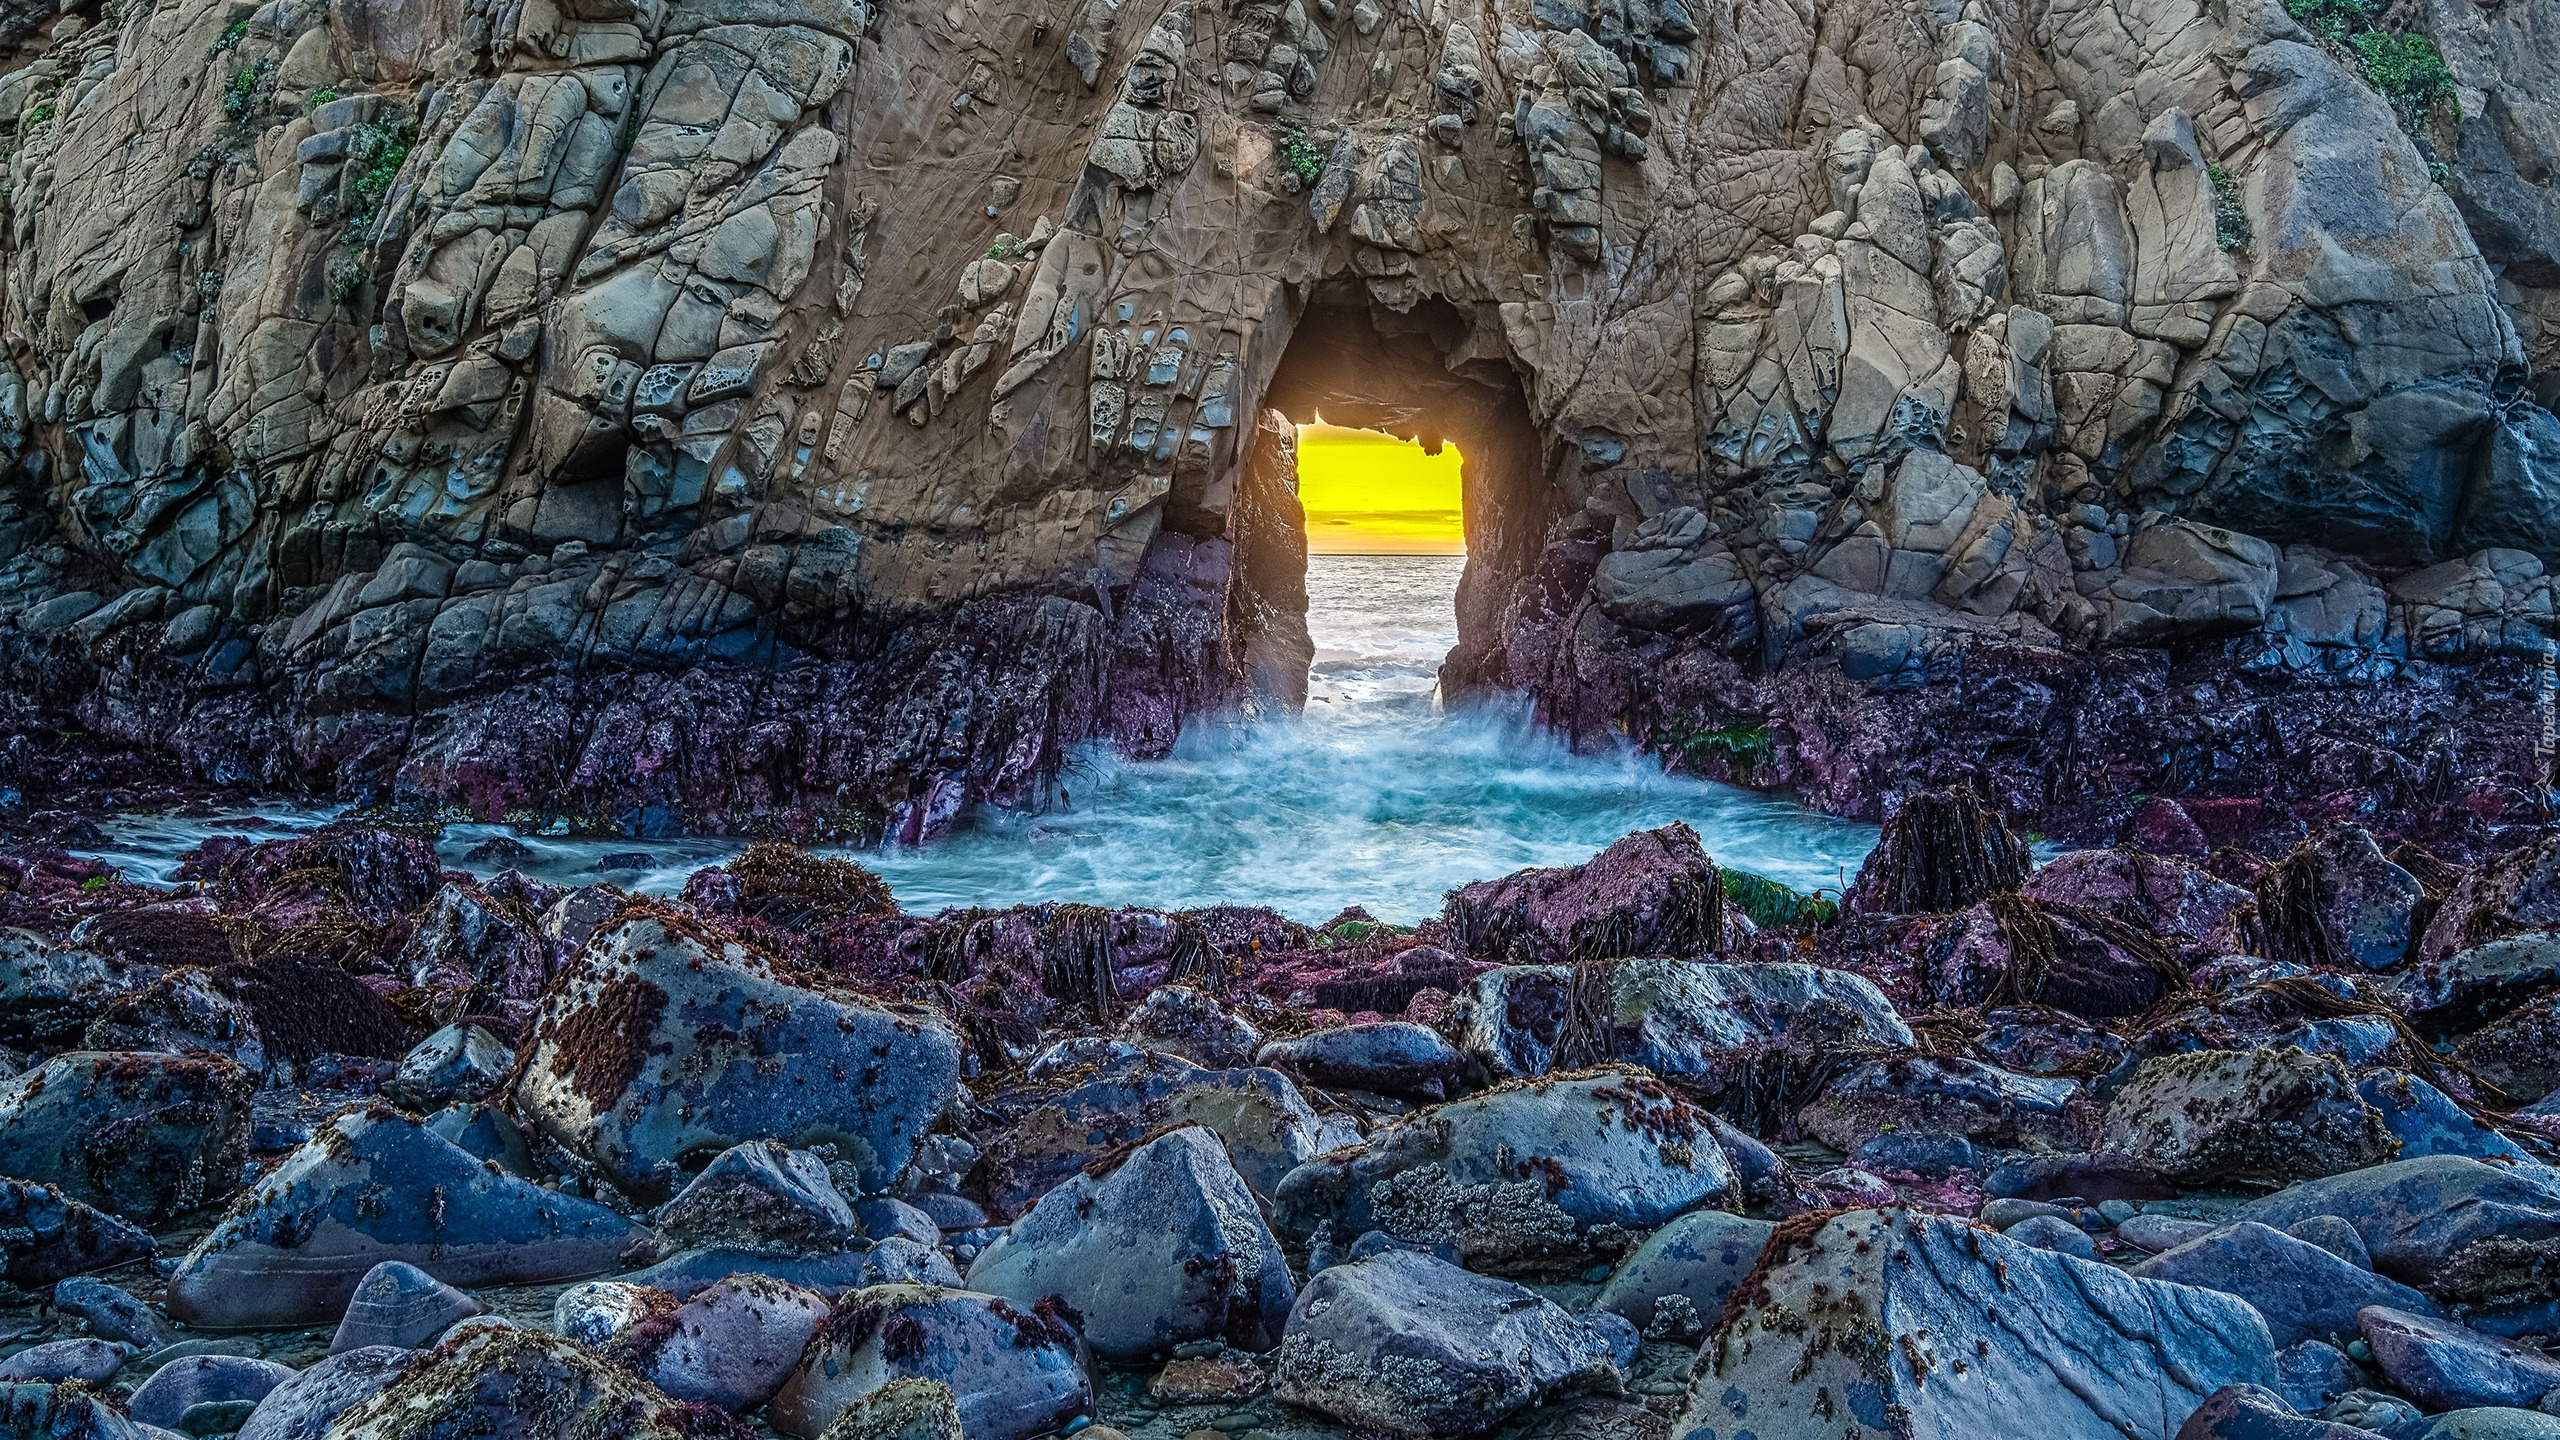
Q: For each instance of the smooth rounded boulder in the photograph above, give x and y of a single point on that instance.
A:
(664, 1045)
(1015, 1369)
(400, 1305)
(1267, 1126)
(294, 1250)
(1390, 1057)
(2303, 1291)
(203, 1379)
(1674, 1285)
(762, 1196)
(304, 1407)
(1166, 1247)
(1406, 1345)
(2416, 1216)
(1957, 1331)
(2250, 1117)
(1533, 1175)
(732, 1345)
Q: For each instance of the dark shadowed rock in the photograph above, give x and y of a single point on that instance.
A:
(689, 1272)
(2086, 1351)
(2311, 1373)
(1179, 1020)
(1941, 851)
(112, 1314)
(400, 1305)
(1405, 1345)
(501, 1383)
(2519, 1052)
(89, 1360)
(41, 1411)
(142, 1134)
(2088, 961)
(200, 1379)
(294, 1249)
(1267, 1126)
(2458, 990)
(470, 940)
(2337, 900)
(1654, 892)
(661, 1048)
(1014, 1369)
(2446, 1366)
(762, 1196)
(459, 1064)
(1711, 1025)
(304, 1407)
(49, 993)
(488, 1132)
(46, 1235)
(2515, 893)
(1535, 1175)
(2415, 1215)
(2054, 1233)
(1674, 1285)
(182, 1012)
(1947, 1095)
(2253, 1412)
(2303, 1291)
(2258, 1117)
(732, 1345)
(1166, 1247)
(1391, 1057)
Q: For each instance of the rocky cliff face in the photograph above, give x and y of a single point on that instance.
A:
(720, 412)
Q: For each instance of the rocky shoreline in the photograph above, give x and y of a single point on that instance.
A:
(329, 1143)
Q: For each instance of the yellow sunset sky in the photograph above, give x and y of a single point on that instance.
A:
(1372, 494)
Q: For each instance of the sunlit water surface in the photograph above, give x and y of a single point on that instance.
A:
(1376, 797)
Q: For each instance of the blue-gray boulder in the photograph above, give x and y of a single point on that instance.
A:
(1391, 1057)
(1534, 1175)
(2303, 1291)
(660, 1046)
(142, 1134)
(1402, 1344)
(1165, 1248)
(1674, 1285)
(293, 1251)
(2414, 1215)
(1958, 1331)
(1014, 1369)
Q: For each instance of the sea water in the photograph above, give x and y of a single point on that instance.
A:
(1379, 796)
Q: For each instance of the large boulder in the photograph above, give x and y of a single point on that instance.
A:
(664, 1046)
(2416, 1216)
(295, 1249)
(1877, 1323)
(503, 1383)
(49, 993)
(2459, 989)
(2337, 899)
(1163, 1248)
(1390, 1057)
(732, 1345)
(1712, 1025)
(1181, 1020)
(46, 1235)
(2519, 1052)
(2256, 1117)
(2181, 904)
(2303, 1291)
(2445, 1366)
(1267, 1126)
(761, 1196)
(1920, 1095)
(458, 1065)
(1014, 1369)
(141, 1134)
(1654, 892)
(2511, 894)
(183, 1012)
(399, 1305)
(201, 1379)
(1674, 1285)
(1536, 1175)
(1405, 1345)
(2254, 1412)
(43, 1411)
(304, 1407)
